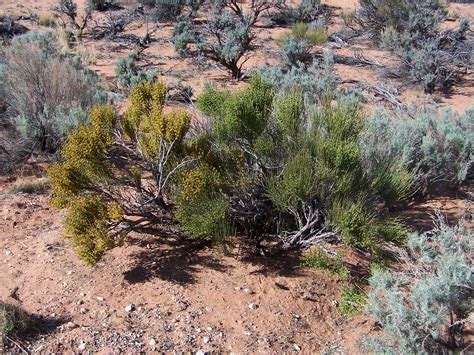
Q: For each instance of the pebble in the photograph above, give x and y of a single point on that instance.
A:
(129, 308)
(71, 325)
(82, 346)
(80, 302)
(206, 339)
(152, 342)
(83, 310)
(248, 290)
(253, 306)
(200, 352)
(296, 346)
(100, 299)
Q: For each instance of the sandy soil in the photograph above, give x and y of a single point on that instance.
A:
(158, 293)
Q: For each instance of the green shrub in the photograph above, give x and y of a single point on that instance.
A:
(422, 306)
(242, 114)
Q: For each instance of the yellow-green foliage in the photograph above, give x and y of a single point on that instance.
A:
(89, 182)
(197, 181)
(145, 121)
(87, 226)
(84, 154)
(74, 180)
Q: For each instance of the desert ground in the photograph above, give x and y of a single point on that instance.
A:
(157, 293)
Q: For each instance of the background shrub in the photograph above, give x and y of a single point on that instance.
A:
(128, 73)
(47, 93)
(437, 146)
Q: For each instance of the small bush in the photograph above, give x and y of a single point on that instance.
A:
(129, 74)
(101, 5)
(13, 320)
(296, 46)
(321, 261)
(306, 11)
(351, 301)
(315, 82)
(423, 306)
(183, 34)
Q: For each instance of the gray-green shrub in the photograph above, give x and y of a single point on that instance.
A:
(46, 92)
(436, 145)
(422, 307)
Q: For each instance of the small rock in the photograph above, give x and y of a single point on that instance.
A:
(80, 302)
(152, 342)
(200, 352)
(82, 294)
(248, 334)
(248, 290)
(71, 325)
(82, 346)
(8, 252)
(69, 273)
(253, 306)
(129, 308)
(83, 310)
(100, 299)
(296, 346)
(206, 339)
(198, 330)
(237, 288)
(209, 329)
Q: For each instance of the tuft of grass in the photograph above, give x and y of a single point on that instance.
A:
(317, 36)
(30, 186)
(13, 320)
(352, 300)
(314, 34)
(46, 20)
(348, 16)
(321, 261)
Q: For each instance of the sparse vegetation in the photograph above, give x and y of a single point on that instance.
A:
(300, 150)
